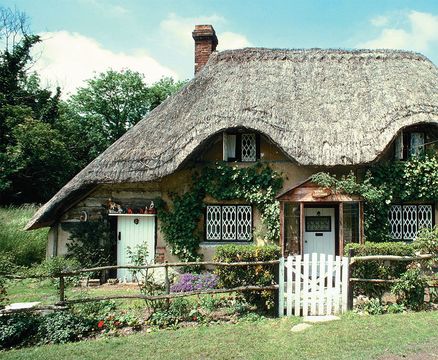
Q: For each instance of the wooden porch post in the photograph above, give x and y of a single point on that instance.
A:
(341, 228)
(282, 227)
(361, 224)
(301, 228)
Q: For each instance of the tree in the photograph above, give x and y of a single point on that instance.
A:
(31, 151)
(110, 104)
(117, 100)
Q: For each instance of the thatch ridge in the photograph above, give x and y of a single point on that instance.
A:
(321, 107)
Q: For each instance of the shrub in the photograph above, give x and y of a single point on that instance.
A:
(7, 266)
(260, 275)
(191, 282)
(411, 288)
(91, 243)
(180, 309)
(18, 330)
(62, 327)
(378, 269)
(427, 243)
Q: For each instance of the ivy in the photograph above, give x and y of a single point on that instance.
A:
(257, 185)
(386, 183)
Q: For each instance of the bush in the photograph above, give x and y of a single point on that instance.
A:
(62, 327)
(92, 243)
(378, 269)
(18, 330)
(27, 247)
(7, 267)
(179, 310)
(191, 282)
(411, 288)
(260, 275)
(427, 242)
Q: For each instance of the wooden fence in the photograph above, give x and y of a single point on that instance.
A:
(63, 301)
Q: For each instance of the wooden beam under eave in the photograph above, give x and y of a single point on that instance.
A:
(361, 224)
(341, 229)
(301, 228)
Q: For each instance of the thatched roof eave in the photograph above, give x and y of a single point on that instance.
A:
(320, 107)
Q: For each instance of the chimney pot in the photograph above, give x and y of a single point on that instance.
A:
(205, 43)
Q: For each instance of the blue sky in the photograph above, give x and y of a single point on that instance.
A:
(83, 37)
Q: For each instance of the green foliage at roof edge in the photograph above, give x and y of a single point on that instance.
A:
(383, 184)
(257, 185)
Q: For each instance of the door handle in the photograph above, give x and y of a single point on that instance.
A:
(120, 235)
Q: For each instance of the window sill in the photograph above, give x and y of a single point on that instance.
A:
(207, 244)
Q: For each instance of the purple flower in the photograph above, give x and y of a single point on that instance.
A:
(191, 282)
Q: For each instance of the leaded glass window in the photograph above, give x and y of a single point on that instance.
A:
(408, 219)
(228, 223)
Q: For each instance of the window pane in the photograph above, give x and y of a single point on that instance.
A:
(291, 228)
(417, 143)
(228, 222)
(244, 223)
(396, 222)
(213, 223)
(249, 148)
(351, 223)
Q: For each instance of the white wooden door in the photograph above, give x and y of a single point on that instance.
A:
(319, 231)
(134, 230)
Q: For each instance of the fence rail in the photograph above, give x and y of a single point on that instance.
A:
(167, 294)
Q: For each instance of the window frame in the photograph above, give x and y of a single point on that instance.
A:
(405, 138)
(402, 238)
(222, 240)
(238, 150)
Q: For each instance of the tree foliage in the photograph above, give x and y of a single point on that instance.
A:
(44, 140)
(112, 102)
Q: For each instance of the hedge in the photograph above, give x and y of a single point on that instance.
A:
(378, 269)
(261, 275)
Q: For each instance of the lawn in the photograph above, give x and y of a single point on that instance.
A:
(45, 292)
(353, 337)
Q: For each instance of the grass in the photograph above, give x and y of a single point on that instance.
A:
(353, 337)
(27, 247)
(45, 292)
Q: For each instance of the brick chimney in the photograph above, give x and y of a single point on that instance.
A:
(205, 43)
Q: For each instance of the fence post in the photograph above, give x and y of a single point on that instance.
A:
(61, 288)
(281, 288)
(166, 282)
(351, 254)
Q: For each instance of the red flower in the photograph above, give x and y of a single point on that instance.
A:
(195, 318)
(100, 324)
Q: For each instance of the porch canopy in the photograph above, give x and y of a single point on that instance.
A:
(311, 214)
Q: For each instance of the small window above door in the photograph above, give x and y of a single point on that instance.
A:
(241, 146)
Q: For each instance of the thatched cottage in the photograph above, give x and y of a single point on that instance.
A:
(300, 111)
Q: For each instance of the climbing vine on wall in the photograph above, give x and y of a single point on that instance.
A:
(255, 184)
(383, 184)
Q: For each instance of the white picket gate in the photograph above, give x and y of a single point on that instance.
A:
(312, 286)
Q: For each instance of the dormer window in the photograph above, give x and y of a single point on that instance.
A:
(409, 144)
(241, 146)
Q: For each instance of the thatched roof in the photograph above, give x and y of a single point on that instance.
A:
(321, 107)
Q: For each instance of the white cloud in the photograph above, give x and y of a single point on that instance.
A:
(67, 59)
(177, 32)
(421, 34)
(379, 20)
(106, 8)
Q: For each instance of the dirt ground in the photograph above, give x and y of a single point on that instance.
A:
(428, 351)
